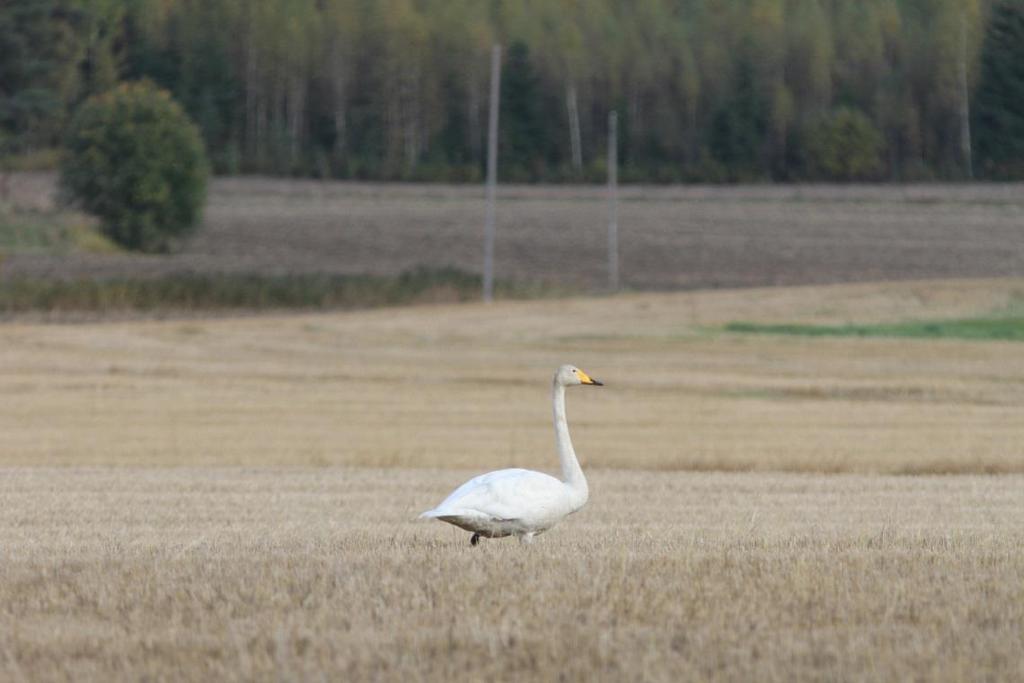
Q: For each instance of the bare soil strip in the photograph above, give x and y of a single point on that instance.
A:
(689, 237)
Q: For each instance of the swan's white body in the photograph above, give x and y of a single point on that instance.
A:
(517, 502)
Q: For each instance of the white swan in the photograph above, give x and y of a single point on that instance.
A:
(519, 502)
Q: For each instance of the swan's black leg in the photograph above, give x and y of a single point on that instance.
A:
(475, 539)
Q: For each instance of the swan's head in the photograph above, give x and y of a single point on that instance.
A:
(568, 375)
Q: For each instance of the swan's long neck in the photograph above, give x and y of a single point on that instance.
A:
(572, 473)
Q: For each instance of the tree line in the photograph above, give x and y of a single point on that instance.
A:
(397, 89)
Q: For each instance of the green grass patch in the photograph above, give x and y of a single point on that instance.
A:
(32, 231)
(50, 232)
(37, 160)
(199, 293)
(1006, 329)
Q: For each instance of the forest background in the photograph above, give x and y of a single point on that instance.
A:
(706, 91)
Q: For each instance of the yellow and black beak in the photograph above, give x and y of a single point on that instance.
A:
(587, 379)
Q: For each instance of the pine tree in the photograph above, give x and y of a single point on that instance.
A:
(738, 128)
(33, 40)
(523, 126)
(999, 104)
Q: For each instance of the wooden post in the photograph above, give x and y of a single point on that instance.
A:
(492, 173)
(613, 201)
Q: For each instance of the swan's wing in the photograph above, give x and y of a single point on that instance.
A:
(482, 482)
(502, 495)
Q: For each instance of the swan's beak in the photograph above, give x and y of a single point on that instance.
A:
(587, 379)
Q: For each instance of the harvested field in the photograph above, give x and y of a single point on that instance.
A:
(297, 574)
(234, 499)
(467, 386)
(672, 237)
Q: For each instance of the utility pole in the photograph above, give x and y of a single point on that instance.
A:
(613, 201)
(492, 173)
(574, 129)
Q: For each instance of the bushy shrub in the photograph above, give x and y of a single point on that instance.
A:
(844, 145)
(134, 159)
